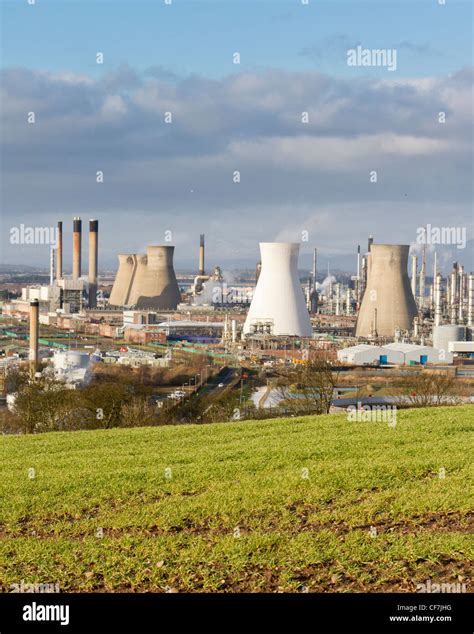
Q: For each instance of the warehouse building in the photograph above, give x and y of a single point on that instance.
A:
(393, 353)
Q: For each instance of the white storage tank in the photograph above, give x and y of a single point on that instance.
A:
(70, 359)
(442, 335)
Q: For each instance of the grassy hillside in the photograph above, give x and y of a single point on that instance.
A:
(285, 504)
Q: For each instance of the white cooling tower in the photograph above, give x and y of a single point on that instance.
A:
(278, 306)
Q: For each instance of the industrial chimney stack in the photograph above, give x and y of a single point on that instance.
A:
(76, 248)
(201, 255)
(59, 252)
(414, 267)
(93, 259)
(34, 327)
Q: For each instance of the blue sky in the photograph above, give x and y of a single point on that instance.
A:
(197, 36)
(297, 177)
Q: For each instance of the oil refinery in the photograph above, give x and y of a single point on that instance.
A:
(374, 316)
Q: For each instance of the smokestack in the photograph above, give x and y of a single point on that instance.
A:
(370, 242)
(338, 299)
(233, 324)
(348, 301)
(201, 255)
(76, 248)
(59, 252)
(414, 267)
(363, 279)
(454, 293)
(422, 278)
(461, 293)
(34, 327)
(93, 259)
(315, 264)
(51, 267)
(470, 300)
(437, 299)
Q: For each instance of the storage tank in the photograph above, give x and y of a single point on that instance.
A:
(388, 303)
(72, 366)
(278, 306)
(442, 335)
(70, 359)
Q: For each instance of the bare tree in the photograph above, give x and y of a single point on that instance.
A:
(431, 389)
(138, 412)
(308, 388)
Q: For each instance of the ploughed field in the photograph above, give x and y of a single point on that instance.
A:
(297, 504)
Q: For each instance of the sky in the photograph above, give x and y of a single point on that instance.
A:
(305, 131)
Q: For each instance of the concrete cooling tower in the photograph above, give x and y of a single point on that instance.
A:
(278, 306)
(146, 281)
(388, 303)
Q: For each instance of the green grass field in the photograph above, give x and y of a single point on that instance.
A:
(307, 504)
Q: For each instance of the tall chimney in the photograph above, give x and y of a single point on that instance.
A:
(59, 252)
(51, 267)
(454, 293)
(201, 254)
(93, 258)
(338, 299)
(461, 293)
(76, 248)
(437, 299)
(34, 327)
(422, 277)
(315, 267)
(414, 266)
(470, 300)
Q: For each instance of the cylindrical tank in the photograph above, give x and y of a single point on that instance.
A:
(388, 302)
(70, 360)
(278, 305)
(442, 335)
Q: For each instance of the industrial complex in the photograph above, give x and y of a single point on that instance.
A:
(377, 316)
